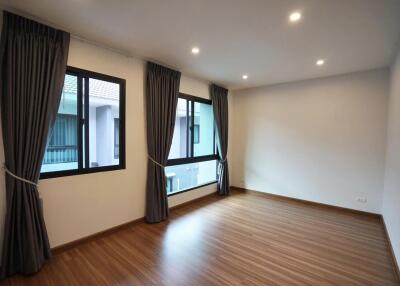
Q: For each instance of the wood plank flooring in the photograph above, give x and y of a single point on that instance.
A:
(243, 239)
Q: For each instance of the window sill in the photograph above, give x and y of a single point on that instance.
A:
(190, 189)
(76, 172)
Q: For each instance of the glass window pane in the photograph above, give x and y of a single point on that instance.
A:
(116, 138)
(186, 176)
(180, 143)
(103, 113)
(62, 145)
(203, 129)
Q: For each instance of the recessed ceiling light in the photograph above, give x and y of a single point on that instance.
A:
(195, 50)
(295, 16)
(320, 63)
(245, 76)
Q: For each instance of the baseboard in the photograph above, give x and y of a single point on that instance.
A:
(214, 194)
(95, 236)
(106, 232)
(395, 264)
(348, 210)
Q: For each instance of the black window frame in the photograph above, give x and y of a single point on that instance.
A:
(83, 120)
(190, 149)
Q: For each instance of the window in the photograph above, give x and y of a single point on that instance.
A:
(192, 160)
(88, 134)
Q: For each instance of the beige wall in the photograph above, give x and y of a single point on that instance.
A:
(391, 195)
(77, 206)
(321, 140)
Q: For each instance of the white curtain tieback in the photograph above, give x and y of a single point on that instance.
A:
(220, 166)
(18, 177)
(154, 161)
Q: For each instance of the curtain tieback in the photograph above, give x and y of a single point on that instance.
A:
(220, 165)
(18, 177)
(154, 161)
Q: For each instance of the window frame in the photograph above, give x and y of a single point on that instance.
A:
(83, 120)
(191, 158)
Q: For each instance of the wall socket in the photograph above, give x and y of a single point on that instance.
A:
(362, 200)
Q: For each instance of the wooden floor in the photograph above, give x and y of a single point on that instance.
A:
(243, 239)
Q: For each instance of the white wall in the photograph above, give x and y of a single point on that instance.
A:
(321, 140)
(77, 206)
(391, 195)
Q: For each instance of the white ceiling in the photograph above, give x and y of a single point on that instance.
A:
(235, 36)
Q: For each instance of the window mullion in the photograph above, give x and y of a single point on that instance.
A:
(80, 123)
(191, 129)
(86, 118)
(187, 129)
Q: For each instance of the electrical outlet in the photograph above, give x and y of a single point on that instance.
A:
(362, 200)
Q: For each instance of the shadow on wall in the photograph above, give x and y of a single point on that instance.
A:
(239, 149)
(320, 140)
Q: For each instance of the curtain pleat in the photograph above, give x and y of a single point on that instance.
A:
(219, 97)
(162, 90)
(33, 63)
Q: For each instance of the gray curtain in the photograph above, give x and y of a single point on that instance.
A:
(219, 97)
(33, 63)
(162, 90)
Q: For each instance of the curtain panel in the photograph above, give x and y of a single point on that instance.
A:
(219, 97)
(162, 90)
(33, 64)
